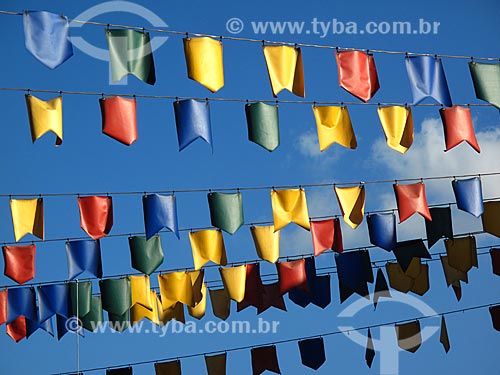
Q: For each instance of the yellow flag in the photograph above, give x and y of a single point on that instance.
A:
(44, 117)
(140, 290)
(284, 65)
(139, 312)
(491, 218)
(204, 61)
(198, 311)
(267, 242)
(289, 206)
(352, 204)
(27, 217)
(334, 126)
(462, 253)
(397, 123)
(221, 304)
(207, 245)
(175, 287)
(174, 312)
(234, 279)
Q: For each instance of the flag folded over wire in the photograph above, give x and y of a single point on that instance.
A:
(289, 206)
(486, 79)
(226, 211)
(469, 195)
(119, 119)
(267, 242)
(352, 204)
(397, 123)
(263, 124)
(411, 199)
(204, 61)
(192, 119)
(326, 235)
(458, 128)
(96, 215)
(160, 211)
(334, 126)
(19, 262)
(284, 65)
(27, 217)
(382, 230)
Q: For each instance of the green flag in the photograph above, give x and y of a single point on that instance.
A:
(94, 318)
(119, 322)
(486, 79)
(116, 296)
(226, 211)
(130, 53)
(263, 125)
(146, 255)
(81, 297)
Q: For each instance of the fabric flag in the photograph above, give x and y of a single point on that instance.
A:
(140, 292)
(312, 352)
(267, 242)
(221, 303)
(411, 199)
(119, 119)
(21, 302)
(226, 211)
(3, 305)
(326, 235)
(405, 251)
(427, 79)
(382, 230)
(357, 73)
(486, 79)
(204, 61)
(292, 274)
(495, 316)
(264, 358)
(54, 299)
(397, 123)
(354, 271)
(469, 195)
(370, 350)
(94, 318)
(84, 256)
(116, 295)
(216, 364)
(183, 287)
(453, 277)
(285, 69)
(81, 298)
(46, 37)
(491, 218)
(381, 288)
(146, 255)
(352, 204)
(440, 226)
(443, 336)
(234, 280)
(27, 217)
(334, 126)
(415, 279)
(207, 245)
(96, 215)
(263, 125)
(130, 53)
(271, 297)
(119, 371)
(19, 262)
(168, 368)
(495, 262)
(160, 211)
(192, 119)
(45, 116)
(462, 253)
(139, 311)
(458, 128)
(17, 329)
(199, 309)
(253, 288)
(289, 206)
(409, 337)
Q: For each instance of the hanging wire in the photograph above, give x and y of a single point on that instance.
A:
(262, 41)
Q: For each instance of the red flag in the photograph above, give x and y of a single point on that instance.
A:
(96, 215)
(292, 274)
(17, 328)
(19, 262)
(457, 123)
(411, 199)
(119, 119)
(326, 234)
(3, 306)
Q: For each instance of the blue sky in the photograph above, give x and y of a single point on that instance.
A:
(91, 162)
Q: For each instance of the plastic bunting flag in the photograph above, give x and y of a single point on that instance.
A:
(326, 235)
(46, 37)
(458, 128)
(17, 329)
(175, 312)
(119, 119)
(271, 297)
(495, 263)
(354, 271)
(334, 126)
(486, 79)
(81, 298)
(415, 279)
(183, 287)
(397, 123)
(405, 251)
(381, 288)
(292, 274)
(427, 79)
(226, 211)
(96, 215)
(119, 371)
(352, 204)
(140, 292)
(204, 61)
(19, 262)
(312, 352)
(116, 300)
(198, 311)
(44, 117)
(370, 350)
(130, 53)
(168, 368)
(462, 253)
(21, 302)
(160, 211)
(284, 65)
(267, 242)
(27, 217)
(289, 206)
(234, 280)
(192, 119)
(495, 316)
(264, 358)
(409, 337)
(491, 218)
(453, 277)
(216, 364)
(253, 288)
(440, 226)
(95, 317)
(263, 125)
(139, 311)
(84, 256)
(54, 299)
(221, 303)
(411, 199)
(207, 245)
(319, 292)
(357, 73)
(146, 255)
(469, 195)
(33, 326)
(3, 305)
(382, 230)
(443, 335)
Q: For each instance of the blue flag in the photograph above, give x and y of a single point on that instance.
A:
(192, 119)
(84, 256)
(382, 230)
(469, 195)
(53, 299)
(160, 211)
(33, 326)
(21, 302)
(354, 271)
(312, 352)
